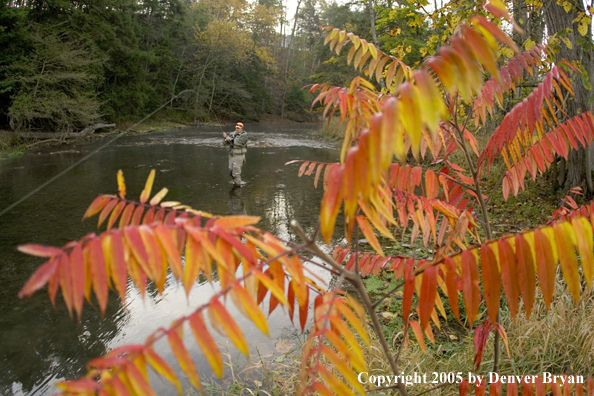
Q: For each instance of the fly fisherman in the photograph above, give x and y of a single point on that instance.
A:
(237, 146)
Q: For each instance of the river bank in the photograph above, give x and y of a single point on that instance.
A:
(12, 145)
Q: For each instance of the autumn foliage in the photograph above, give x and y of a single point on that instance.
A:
(417, 113)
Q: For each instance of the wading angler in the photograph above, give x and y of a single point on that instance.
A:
(236, 144)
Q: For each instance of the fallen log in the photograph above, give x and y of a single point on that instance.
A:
(53, 135)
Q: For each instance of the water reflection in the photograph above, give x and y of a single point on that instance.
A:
(39, 345)
(235, 203)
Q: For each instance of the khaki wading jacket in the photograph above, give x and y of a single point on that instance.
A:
(238, 143)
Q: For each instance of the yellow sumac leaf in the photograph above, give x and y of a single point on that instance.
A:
(369, 234)
(183, 358)
(411, 116)
(146, 193)
(248, 307)
(351, 352)
(161, 367)
(343, 368)
(583, 232)
(159, 196)
(354, 321)
(206, 343)
(121, 184)
(138, 381)
(564, 235)
(416, 328)
(336, 384)
(223, 322)
(545, 266)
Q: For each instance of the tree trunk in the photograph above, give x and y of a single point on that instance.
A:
(370, 5)
(557, 20)
(289, 47)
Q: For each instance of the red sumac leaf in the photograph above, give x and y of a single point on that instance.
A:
(39, 278)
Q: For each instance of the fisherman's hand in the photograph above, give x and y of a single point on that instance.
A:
(224, 135)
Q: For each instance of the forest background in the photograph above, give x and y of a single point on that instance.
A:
(68, 64)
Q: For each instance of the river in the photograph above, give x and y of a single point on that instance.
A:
(39, 345)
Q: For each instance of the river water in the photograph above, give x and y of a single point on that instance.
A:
(39, 345)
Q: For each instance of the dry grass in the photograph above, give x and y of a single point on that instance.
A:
(559, 340)
(333, 130)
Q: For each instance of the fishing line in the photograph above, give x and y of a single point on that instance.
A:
(9, 208)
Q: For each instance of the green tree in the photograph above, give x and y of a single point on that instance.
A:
(55, 87)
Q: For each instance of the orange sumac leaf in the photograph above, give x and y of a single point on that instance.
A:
(526, 273)
(169, 245)
(126, 215)
(331, 202)
(431, 185)
(98, 272)
(428, 295)
(303, 310)
(407, 296)
(222, 321)
(233, 222)
(114, 214)
(463, 387)
(509, 275)
(452, 286)
(369, 234)
(96, 206)
(491, 281)
(77, 267)
(183, 358)
(83, 385)
(470, 285)
(106, 211)
(302, 168)
(206, 343)
(545, 265)
(418, 334)
(512, 389)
